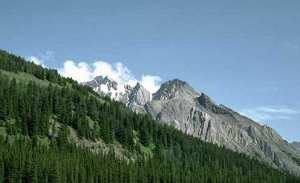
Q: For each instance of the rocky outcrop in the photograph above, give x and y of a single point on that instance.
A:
(138, 98)
(134, 97)
(296, 145)
(104, 86)
(177, 104)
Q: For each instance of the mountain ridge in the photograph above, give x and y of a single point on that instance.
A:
(177, 104)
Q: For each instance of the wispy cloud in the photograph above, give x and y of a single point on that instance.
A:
(83, 72)
(151, 83)
(266, 113)
(42, 58)
(35, 60)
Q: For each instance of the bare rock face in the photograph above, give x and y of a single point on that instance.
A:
(134, 97)
(296, 145)
(138, 98)
(177, 104)
(104, 86)
(175, 89)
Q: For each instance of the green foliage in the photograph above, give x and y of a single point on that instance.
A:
(27, 109)
(25, 162)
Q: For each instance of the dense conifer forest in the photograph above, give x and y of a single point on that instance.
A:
(39, 109)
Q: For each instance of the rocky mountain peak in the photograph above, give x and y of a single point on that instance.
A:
(134, 97)
(106, 86)
(139, 95)
(174, 89)
(107, 81)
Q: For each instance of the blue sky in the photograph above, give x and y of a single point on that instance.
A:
(244, 54)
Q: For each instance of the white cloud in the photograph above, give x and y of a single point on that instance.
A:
(79, 72)
(266, 113)
(42, 59)
(282, 110)
(151, 83)
(118, 72)
(35, 60)
(83, 72)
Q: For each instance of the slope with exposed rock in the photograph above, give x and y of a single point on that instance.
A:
(296, 145)
(177, 104)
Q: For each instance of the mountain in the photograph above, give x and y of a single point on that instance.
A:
(177, 104)
(108, 87)
(52, 129)
(134, 97)
(296, 145)
(138, 98)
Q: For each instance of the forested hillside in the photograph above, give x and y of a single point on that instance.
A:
(41, 112)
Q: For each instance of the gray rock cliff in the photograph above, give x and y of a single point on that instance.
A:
(296, 145)
(177, 104)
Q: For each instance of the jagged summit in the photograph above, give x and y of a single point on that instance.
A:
(104, 86)
(134, 97)
(175, 88)
(106, 80)
(138, 98)
(139, 95)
